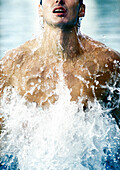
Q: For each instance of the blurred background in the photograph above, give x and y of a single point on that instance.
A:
(19, 22)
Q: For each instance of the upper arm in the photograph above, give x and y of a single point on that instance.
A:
(112, 97)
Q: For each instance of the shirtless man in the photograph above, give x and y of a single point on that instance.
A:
(33, 69)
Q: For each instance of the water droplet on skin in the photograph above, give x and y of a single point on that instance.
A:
(106, 65)
(18, 65)
(32, 83)
(38, 87)
(39, 80)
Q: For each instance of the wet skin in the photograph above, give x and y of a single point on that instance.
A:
(25, 70)
(87, 65)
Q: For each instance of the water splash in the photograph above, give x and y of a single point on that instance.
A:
(61, 137)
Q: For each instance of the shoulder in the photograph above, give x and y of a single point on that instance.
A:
(91, 45)
(100, 52)
(27, 47)
(19, 54)
(14, 59)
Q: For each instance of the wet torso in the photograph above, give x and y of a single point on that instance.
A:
(36, 74)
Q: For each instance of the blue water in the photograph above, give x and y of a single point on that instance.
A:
(18, 22)
(109, 164)
(5, 163)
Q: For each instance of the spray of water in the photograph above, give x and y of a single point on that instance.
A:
(60, 137)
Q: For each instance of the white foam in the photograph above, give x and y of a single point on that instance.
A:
(61, 137)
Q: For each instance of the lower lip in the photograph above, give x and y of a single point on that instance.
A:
(60, 14)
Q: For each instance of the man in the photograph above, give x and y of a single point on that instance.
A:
(88, 67)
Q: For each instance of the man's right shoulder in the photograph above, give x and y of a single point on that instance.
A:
(27, 47)
(17, 55)
(14, 59)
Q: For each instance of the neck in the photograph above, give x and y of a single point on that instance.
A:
(63, 42)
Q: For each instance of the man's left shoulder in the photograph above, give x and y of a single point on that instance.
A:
(107, 57)
(102, 52)
(98, 52)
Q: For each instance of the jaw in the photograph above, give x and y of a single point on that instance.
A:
(62, 22)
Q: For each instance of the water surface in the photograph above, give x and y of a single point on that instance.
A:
(18, 22)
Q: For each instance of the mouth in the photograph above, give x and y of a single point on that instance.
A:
(60, 11)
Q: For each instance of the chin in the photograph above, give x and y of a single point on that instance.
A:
(64, 25)
(62, 22)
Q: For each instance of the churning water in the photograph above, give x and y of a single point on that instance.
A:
(59, 138)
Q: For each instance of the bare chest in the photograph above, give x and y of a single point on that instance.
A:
(39, 83)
